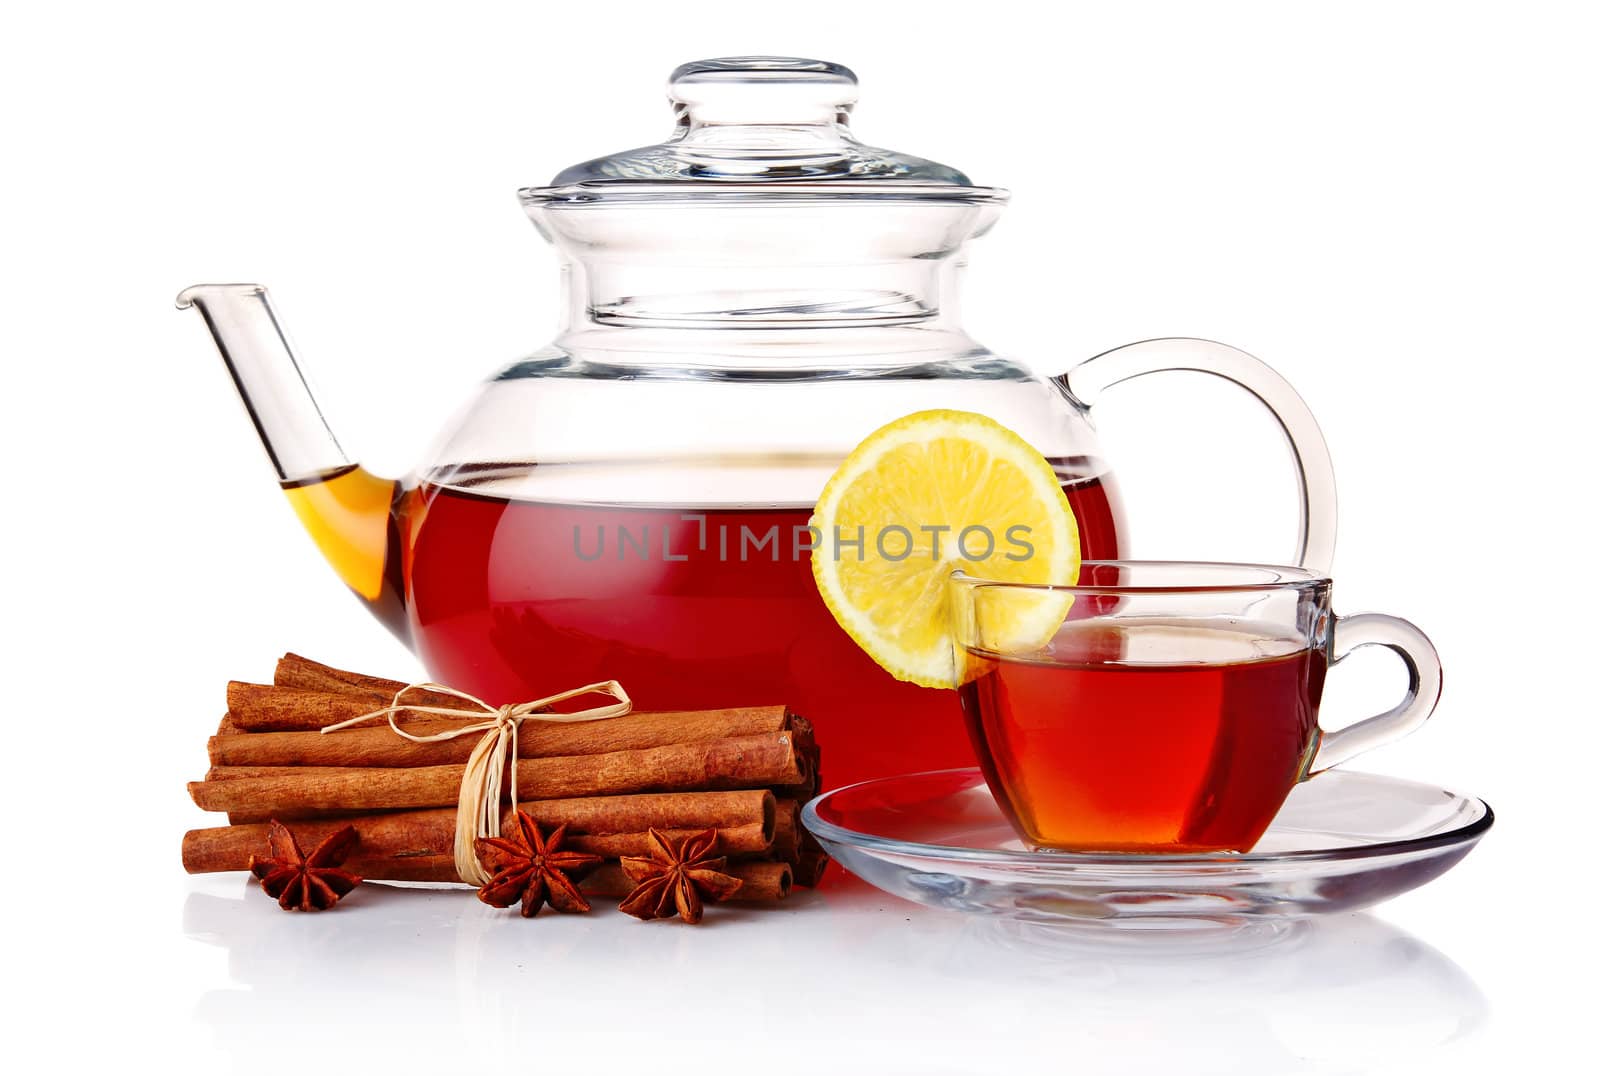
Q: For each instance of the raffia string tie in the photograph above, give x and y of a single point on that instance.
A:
(478, 809)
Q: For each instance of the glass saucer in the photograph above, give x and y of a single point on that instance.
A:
(1343, 841)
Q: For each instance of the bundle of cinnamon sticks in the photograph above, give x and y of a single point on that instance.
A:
(741, 771)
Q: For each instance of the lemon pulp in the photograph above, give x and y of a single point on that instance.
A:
(928, 494)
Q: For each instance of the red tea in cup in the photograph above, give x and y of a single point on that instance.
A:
(1164, 706)
(1128, 735)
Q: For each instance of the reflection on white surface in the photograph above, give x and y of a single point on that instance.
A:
(846, 978)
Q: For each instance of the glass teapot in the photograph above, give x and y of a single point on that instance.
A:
(744, 303)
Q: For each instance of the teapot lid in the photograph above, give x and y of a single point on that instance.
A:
(763, 127)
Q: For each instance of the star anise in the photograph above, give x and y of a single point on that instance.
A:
(528, 866)
(674, 877)
(300, 882)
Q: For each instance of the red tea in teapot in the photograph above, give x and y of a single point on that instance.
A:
(513, 599)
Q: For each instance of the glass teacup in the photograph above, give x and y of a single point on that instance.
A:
(1172, 706)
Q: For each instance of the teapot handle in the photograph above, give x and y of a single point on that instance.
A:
(1313, 467)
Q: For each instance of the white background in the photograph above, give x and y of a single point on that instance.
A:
(1394, 204)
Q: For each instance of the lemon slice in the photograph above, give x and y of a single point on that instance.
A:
(928, 494)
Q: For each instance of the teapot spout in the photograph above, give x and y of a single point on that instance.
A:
(348, 511)
(258, 356)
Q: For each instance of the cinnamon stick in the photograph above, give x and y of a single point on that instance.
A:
(268, 708)
(301, 672)
(378, 746)
(786, 830)
(786, 841)
(812, 861)
(810, 782)
(810, 866)
(766, 760)
(276, 708)
(281, 709)
(384, 840)
(614, 814)
(441, 868)
(805, 735)
(763, 880)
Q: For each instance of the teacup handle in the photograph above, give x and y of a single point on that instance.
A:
(1351, 633)
(1318, 505)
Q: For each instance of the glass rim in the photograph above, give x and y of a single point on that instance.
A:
(824, 829)
(1246, 577)
(590, 195)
